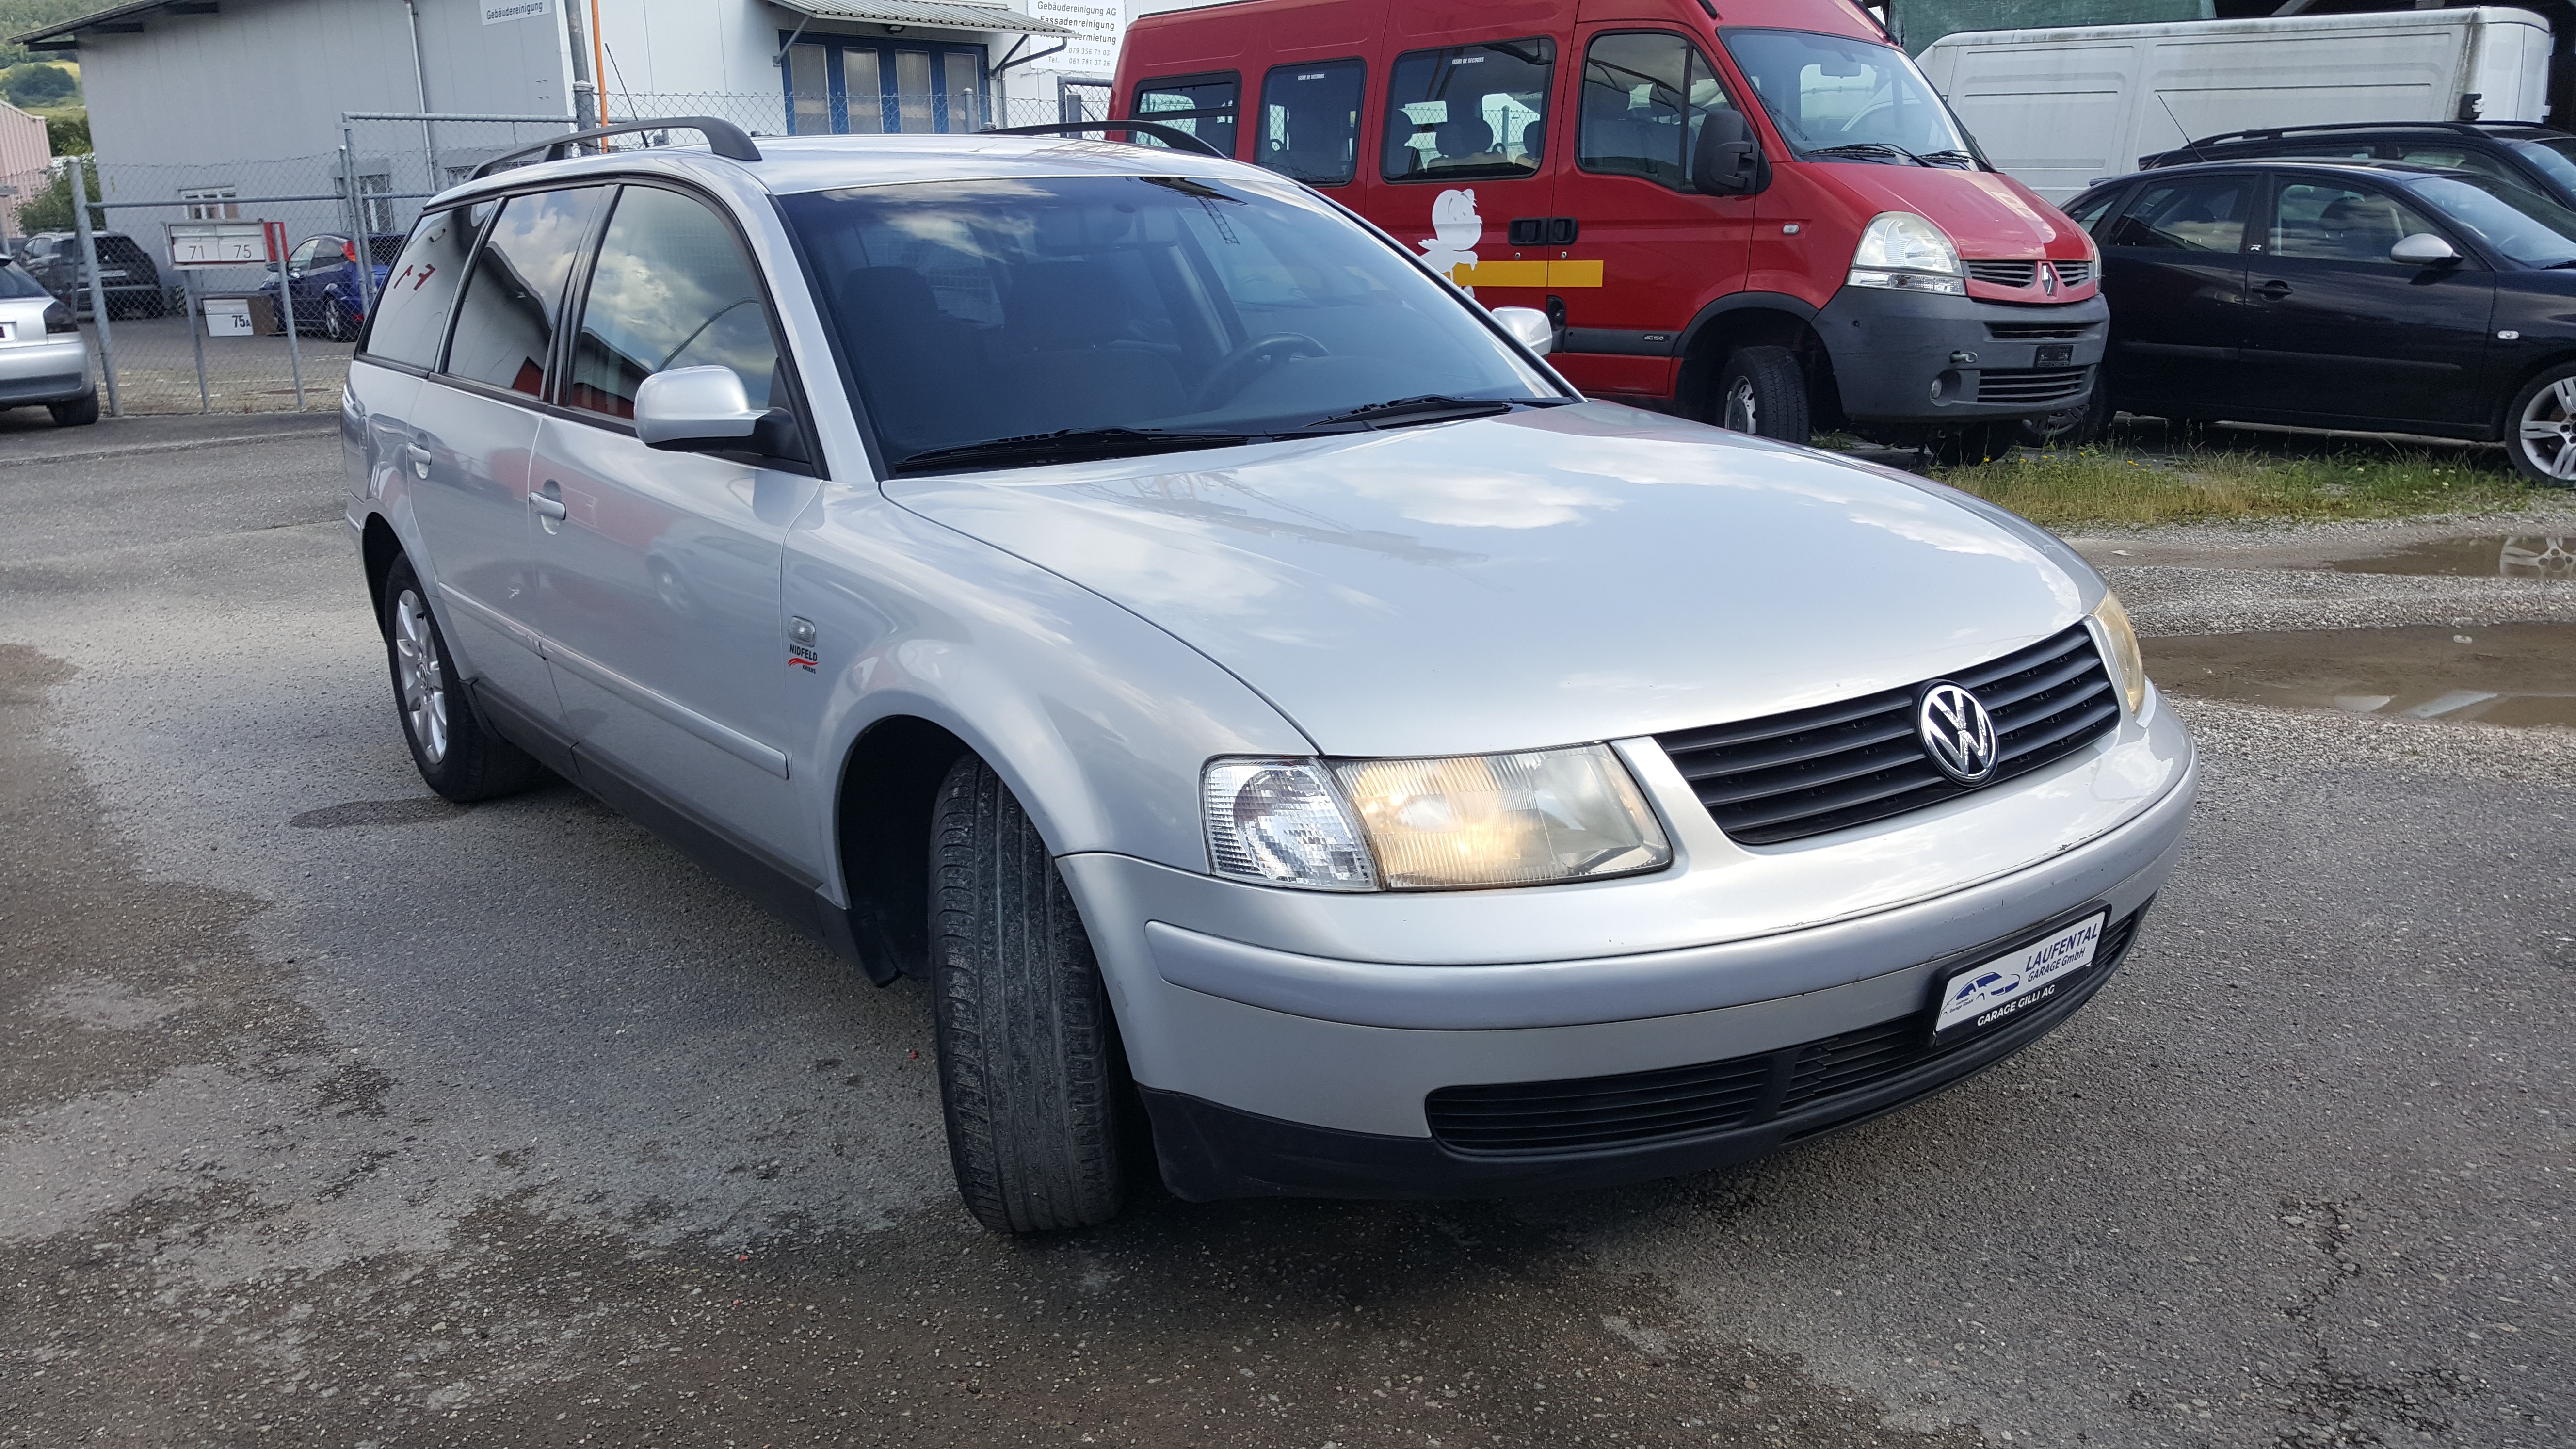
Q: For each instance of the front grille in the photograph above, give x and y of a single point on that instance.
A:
(2074, 274)
(2037, 331)
(1637, 1108)
(2004, 274)
(1788, 776)
(2032, 384)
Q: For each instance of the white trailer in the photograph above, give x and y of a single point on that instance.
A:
(2058, 109)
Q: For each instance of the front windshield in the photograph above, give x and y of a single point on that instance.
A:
(1826, 92)
(2522, 224)
(2554, 155)
(974, 311)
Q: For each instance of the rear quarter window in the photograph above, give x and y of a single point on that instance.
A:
(411, 316)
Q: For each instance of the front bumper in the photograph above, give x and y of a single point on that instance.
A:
(54, 370)
(1307, 1070)
(1890, 347)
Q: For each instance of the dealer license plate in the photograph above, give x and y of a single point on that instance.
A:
(1985, 995)
(8, 331)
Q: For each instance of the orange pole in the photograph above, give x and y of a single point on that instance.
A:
(598, 64)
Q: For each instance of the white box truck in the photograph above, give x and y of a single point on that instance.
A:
(2058, 109)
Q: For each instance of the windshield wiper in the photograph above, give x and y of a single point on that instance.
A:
(1067, 445)
(1869, 150)
(1429, 408)
(1953, 157)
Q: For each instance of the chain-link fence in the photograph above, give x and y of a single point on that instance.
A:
(230, 338)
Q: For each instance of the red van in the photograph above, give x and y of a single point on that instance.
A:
(1839, 255)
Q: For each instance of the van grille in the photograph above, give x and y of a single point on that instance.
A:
(2037, 331)
(2032, 384)
(1636, 1108)
(2004, 274)
(1788, 776)
(2074, 274)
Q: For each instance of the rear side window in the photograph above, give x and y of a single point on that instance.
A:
(2198, 214)
(672, 289)
(1310, 121)
(505, 327)
(411, 316)
(1206, 106)
(1644, 97)
(1468, 111)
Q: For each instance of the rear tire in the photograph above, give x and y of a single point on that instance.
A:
(2540, 429)
(80, 412)
(1031, 1078)
(457, 753)
(1762, 391)
(337, 326)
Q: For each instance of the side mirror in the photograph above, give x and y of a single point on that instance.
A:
(1529, 326)
(2423, 249)
(706, 410)
(1724, 160)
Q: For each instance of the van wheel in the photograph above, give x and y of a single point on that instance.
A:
(2541, 428)
(458, 756)
(1973, 443)
(1031, 1078)
(1762, 391)
(2082, 425)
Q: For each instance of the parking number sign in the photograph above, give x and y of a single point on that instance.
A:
(218, 244)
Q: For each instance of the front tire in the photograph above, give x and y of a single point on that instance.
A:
(457, 753)
(1973, 443)
(1031, 1078)
(1762, 391)
(2540, 428)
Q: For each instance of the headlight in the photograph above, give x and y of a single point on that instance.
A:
(2128, 666)
(1461, 821)
(1903, 251)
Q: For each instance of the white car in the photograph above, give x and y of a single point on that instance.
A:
(1306, 747)
(43, 357)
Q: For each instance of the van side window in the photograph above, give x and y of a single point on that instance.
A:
(505, 327)
(1310, 121)
(1468, 111)
(1644, 97)
(672, 288)
(1203, 105)
(2202, 214)
(411, 316)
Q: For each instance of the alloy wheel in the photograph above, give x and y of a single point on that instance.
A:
(2548, 430)
(423, 676)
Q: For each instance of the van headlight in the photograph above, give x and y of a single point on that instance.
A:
(2120, 650)
(1903, 251)
(1449, 823)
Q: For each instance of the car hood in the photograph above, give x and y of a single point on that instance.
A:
(1988, 214)
(1548, 577)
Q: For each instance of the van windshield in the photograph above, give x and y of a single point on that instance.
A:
(1094, 315)
(1841, 99)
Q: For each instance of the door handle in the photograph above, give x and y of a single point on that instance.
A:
(418, 457)
(550, 502)
(2273, 290)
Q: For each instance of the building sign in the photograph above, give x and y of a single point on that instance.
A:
(497, 11)
(1092, 48)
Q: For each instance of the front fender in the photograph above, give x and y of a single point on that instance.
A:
(1098, 721)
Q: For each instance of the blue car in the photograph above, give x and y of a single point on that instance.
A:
(323, 270)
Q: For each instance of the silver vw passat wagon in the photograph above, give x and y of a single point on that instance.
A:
(1302, 742)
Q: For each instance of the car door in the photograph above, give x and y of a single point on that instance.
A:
(1660, 247)
(2340, 332)
(2173, 269)
(658, 572)
(476, 431)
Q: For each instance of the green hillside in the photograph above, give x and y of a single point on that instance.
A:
(17, 17)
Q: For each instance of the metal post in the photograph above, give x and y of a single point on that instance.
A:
(97, 284)
(197, 335)
(358, 221)
(286, 305)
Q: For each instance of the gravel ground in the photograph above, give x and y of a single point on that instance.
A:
(330, 1114)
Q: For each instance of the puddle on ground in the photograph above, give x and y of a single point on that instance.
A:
(2499, 674)
(2510, 556)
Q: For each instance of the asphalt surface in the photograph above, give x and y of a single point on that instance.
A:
(334, 1115)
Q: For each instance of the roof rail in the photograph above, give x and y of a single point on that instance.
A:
(1172, 136)
(723, 138)
(2274, 133)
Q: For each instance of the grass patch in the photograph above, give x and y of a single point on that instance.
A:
(2095, 486)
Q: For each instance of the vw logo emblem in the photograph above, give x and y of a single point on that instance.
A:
(2047, 279)
(1956, 733)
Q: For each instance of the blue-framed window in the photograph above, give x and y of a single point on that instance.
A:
(878, 86)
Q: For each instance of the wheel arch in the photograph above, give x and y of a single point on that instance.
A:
(378, 548)
(881, 823)
(1755, 319)
(2502, 419)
